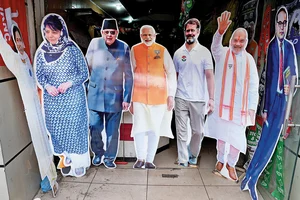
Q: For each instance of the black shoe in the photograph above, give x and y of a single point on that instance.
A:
(149, 165)
(66, 170)
(244, 183)
(138, 164)
(109, 164)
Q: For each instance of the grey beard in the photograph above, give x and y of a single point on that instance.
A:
(190, 41)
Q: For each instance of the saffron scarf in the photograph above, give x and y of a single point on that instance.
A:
(228, 103)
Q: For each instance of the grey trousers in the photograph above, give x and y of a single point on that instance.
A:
(194, 111)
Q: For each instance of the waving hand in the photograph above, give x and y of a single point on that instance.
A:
(224, 22)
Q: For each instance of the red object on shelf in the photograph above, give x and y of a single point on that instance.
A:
(125, 132)
(121, 162)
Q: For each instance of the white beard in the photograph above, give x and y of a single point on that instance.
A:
(149, 43)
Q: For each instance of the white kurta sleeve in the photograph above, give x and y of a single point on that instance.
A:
(253, 85)
(171, 73)
(216, 46)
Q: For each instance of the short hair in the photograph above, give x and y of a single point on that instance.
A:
(16, 29)
(147, 26)
(193, 21)
(280, 10)
(53, 22)
(240, 29)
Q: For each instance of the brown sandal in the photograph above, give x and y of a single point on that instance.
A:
(219, 166)
(231, 172)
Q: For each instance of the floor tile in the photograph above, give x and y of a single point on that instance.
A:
(121, 176)
(228, 192)
(67, 190)
(166, 158)
(116, 192)
(87, 178)
(184, 177)
(176, 193)
(208, 158)
(211, 179)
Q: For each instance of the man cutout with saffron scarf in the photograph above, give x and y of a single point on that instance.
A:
(236, 96)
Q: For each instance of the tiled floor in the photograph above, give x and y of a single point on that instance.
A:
(167, 182)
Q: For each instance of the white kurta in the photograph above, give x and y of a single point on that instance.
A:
(28, 89)
(232, 132)
(155, 117)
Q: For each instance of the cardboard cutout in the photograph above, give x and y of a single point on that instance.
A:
(61, 71)
(13, 12)
(235, 104)
(281, 66)
(153, 96)
(194, 94)
(109, 91)
(19, 64)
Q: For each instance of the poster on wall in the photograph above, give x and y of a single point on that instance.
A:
(186, 7)
(281, 65)
(248, 20)
(13, 12)
(293, 33)
(255, 131)
(294, 36)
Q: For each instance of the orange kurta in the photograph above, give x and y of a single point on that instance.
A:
(150, 85)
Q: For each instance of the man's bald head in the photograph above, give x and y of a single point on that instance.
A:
(239, 40)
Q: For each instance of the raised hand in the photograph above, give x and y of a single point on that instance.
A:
(224, 22)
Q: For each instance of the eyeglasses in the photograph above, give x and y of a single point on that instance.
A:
(282, 24)
(111, 32)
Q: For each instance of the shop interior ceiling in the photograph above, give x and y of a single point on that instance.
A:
(154, 10)
(131, 14)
